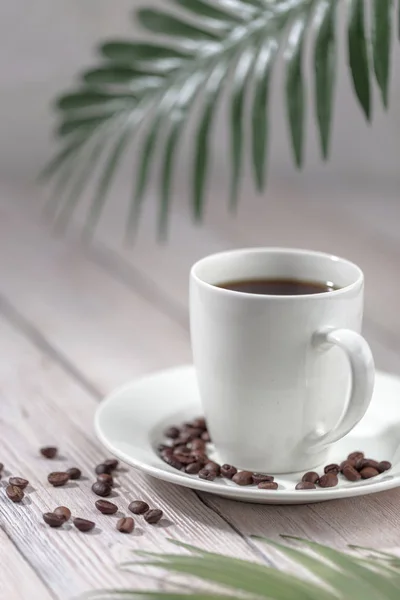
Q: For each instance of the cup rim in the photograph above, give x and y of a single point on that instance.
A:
(281, 250)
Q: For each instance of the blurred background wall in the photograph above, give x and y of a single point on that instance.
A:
(45, 42)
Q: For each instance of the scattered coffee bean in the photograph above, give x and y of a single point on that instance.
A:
(267, 485)
(153, 516)
(161, 448)
(369, 463)
(138, 507)
(198, 445)
(328, 480)
(14, 493)
(384, 465)
(171, 461)
(185, 459)
(74, 473)
(243, 478)
(333, 468)
(193, 434)
(181, 449)
(84, 525)
(49, 451)
(355, 456)
(112, 463)
(310, 477)
(359, 464)
(126, 525)
(106, 478)
(347, 463)
(228, 471)
(172, 433)
(105, 507)
(53, 519)
(102, 468)
(101, 489)
(368, 472)
(207, 475)
(194, 468)
(259, 477)
(205, 436)
(19, 482)
(58, 478)
(306, 485)
(351, 473)
(199, 423)
(213, 466)
(64, 512)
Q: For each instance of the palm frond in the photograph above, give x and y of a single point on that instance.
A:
(199, 52)
(328, 575)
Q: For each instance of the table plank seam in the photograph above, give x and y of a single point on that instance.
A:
(31, 566)
(248, 541)
(19, 322)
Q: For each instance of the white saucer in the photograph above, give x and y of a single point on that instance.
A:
(130, 422)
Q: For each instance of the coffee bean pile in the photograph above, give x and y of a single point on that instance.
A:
(354, 468)
(102, 487)
(185, 449)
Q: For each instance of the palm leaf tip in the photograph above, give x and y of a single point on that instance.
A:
(358, 55)
(381, 38)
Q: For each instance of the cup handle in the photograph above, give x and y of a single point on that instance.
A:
(362, 385)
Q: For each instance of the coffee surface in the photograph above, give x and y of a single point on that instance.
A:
(278, 287)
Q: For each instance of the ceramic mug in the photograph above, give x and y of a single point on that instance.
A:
(280, 377)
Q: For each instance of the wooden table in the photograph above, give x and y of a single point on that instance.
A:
(76, 321)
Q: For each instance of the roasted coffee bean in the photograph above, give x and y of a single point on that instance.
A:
(200, 456)
(368, 472)
(267, 485)
(213, 466)
(328, 480)
(183, 439)
(310, 477)
(199, 423)
(181, 449)
(58, 478)
(228, 471)
(205, 436)
(333, 468)
(49, 451)
(126, 525)
(19, 482)
(112, 463)
(14, 493)
(347, 463)
(84, 525)
(243, 478)
(355, 456)
(74, 473)
(198, 445)
(153, 516)
(106, 478)
(138, 507)
(172, 433)
(207, 475)
(64, 512)
(369, 463)
(171, 461)
(167, 452)
(351, 473)
(306, 485)
(193, 433)
(161, 448)
(102, 468)
(53, 519)
(101, 489)
(194, 468)
(106, 507)
(185, 459)
(259, 477)
(384, 465)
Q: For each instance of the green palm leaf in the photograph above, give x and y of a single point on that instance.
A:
(336, 575)
(199, 52)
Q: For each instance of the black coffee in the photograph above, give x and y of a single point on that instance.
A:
(278, 287)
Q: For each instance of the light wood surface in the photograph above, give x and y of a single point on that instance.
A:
(76, 321)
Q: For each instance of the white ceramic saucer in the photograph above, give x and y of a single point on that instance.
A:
(130, 421)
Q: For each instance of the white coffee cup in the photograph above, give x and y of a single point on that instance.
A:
(280, 377)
